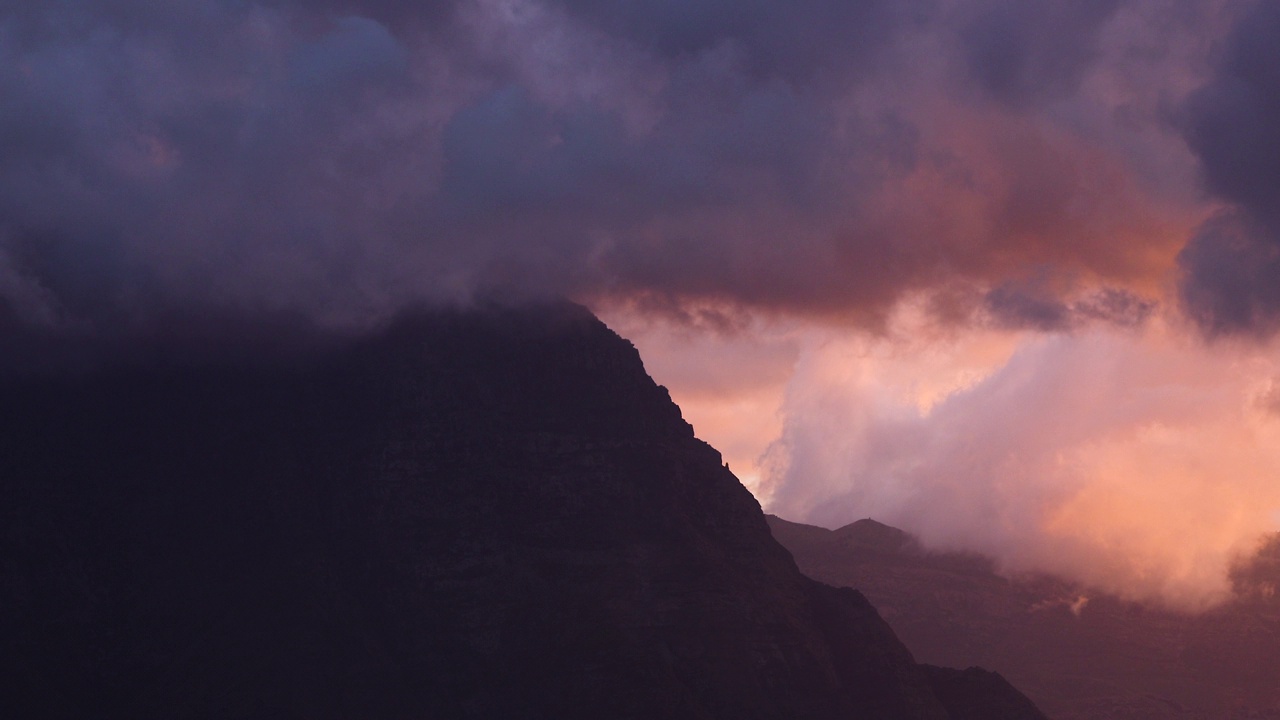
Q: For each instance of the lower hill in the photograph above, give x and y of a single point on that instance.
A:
(491, 514)
(1079, 654)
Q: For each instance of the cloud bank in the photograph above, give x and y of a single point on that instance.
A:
(1232, 265)
(818, 158)
(1138, 461)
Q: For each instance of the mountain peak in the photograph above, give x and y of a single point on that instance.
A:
(493, 513)
(875, 535)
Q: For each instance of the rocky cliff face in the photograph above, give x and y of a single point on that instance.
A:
(493, 514)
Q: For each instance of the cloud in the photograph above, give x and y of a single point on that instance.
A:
(1129, 460)
(793, 41)
(341, 159)
(1033, 303)
(1231, 281)
(1016, 52)
(1232, 123)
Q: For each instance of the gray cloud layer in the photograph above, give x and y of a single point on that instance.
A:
(1232, 265)
(343, 158)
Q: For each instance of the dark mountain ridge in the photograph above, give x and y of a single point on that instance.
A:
(1078, 653)
(491, 514)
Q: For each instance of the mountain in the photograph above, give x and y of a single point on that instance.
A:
(489, 514)
(1078, 653)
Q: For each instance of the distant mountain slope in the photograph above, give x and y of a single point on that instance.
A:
(1078, 654)
(491, 514)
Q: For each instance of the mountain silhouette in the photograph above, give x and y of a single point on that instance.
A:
(493, 513)
(1078, 653)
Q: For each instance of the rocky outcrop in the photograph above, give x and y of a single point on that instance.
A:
(492, 514)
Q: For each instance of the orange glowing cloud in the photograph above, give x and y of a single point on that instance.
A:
(1140, 461)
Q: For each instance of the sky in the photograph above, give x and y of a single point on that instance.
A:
(1003, 274)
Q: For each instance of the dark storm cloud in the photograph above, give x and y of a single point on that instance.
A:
(789, 40)
(1027, 304)
(291, 154)
(342, 158)
(1017, 51)
(513, 168)
(133, 145)
(1232, 123)
(1035, 304)
(1231, 280)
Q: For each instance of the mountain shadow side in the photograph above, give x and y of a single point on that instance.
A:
(489, 514)
(1079, 654)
